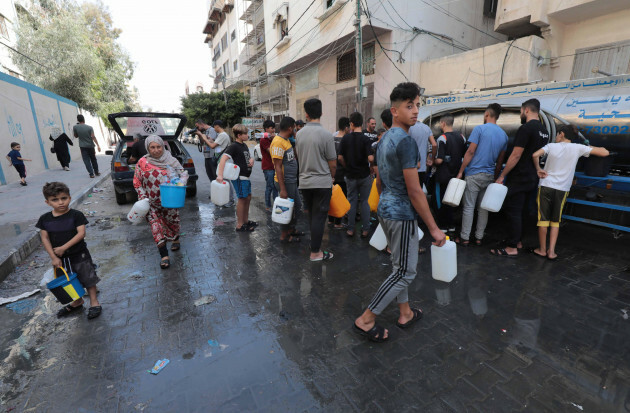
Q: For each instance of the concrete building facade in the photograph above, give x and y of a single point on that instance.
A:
(8, 23)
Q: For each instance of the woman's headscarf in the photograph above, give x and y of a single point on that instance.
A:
(163, 161)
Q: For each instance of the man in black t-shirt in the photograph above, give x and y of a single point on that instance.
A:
(238, 152)
(520, 174)
(450, 152)
(353, 156)
(138, 149)
(370, 131)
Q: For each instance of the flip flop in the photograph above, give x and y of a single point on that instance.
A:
(327, 256)
(164, 264)
(462, 242)
(417, 315)
(478, 242)
(67, 310)
(290, 240)
(533, 251)
(296, 234)
(176, 246)
(94, 312)
(501, 252)
(374, 334)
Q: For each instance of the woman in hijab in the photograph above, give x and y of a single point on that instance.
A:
(60, 145)
(150, 170)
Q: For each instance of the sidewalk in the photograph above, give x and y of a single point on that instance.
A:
(21, 207)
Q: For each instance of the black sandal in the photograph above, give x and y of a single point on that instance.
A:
(290, 240)
(94, 312)
(417, 315)
(176, 246)
(297, 233)
(462, 242)
(67, 310)
(501, 252)
(164, 264)
(252, 224)
(245, 228)
(374, 334)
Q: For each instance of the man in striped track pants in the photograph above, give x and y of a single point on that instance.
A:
(401, 197)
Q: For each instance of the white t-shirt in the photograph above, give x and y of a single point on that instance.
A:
(223, 140)
(560, 165)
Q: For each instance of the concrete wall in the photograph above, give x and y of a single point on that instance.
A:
(27, 116)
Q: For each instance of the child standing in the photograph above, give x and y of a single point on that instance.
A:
(17, 161)
(63, 236)
(239, 153)
(555, 183)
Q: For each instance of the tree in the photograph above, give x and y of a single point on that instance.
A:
(73, 51)
(211, 107)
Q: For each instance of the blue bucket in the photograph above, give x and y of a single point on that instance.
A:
(66, 289)
(172, 196)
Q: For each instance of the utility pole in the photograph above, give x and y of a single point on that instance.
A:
(359, 54)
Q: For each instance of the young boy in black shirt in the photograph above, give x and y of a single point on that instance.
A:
(239, 153)
(63, 236)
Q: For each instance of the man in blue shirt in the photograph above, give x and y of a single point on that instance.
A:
(482, 162)
(401, 197)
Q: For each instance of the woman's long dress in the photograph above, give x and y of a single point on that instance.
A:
(164, 221)
(61, 149)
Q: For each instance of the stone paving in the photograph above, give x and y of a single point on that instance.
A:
(523, 334)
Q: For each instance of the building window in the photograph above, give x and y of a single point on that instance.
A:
(368, 59)
(224, 42)
(284, 28)
(346, 67)
(217, 52)
(233, 36)
(219, 75)
(3, 27)
(329, 3)
(226, 68)
(235, 65)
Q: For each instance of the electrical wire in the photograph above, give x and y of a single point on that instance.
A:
(381, 46)
(28, 57)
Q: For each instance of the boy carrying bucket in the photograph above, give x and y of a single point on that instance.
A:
(63, 236)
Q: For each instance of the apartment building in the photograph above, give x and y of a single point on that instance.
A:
(8, 21)
(224, 30)
(550, 40)
(311, 46)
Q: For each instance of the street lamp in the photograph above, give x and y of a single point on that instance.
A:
(224, 92)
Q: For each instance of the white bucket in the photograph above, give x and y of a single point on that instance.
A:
(138, 211)
(444, 261)
(220, 193)
(494, 197)
(454, 192)
(282, 210)
(379, 241)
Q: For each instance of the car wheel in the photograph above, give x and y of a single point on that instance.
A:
(191, 190)
(121, 198)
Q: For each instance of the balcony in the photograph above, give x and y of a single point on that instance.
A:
(251, 9)
(211, 27)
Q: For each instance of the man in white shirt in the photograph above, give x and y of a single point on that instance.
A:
(555, 183)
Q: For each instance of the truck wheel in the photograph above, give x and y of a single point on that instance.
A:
(121, 198)
(191, 190)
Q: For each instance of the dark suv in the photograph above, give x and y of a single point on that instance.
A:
(129, 124)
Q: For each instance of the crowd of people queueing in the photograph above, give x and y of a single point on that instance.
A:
(302, 162)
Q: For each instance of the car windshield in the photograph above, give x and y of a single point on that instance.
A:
(163, 126)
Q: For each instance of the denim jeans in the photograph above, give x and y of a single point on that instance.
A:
(359, 187)
(473, 194)
(89, 159)
(270, 190)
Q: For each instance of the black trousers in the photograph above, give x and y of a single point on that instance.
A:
(211, 168)
(317, 202)
(515, 201)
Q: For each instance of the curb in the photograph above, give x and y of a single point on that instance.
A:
(16, 256)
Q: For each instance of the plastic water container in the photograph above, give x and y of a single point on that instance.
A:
(282, 210)
(220, 192)
(172, 196)
(138, 211)
(379, 241)
(494, 197)
(454, 192)
(444, 261)
(231, 171)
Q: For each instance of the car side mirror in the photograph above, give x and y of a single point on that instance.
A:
(109, 153)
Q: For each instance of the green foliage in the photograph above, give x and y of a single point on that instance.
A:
(211, 107)
(74, 52)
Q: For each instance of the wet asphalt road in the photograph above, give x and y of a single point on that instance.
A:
(271, 331)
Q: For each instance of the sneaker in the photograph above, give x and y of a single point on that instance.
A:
(23, 183)
(65, 168)
(98, 174)
(91, 175)
(452, 229)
